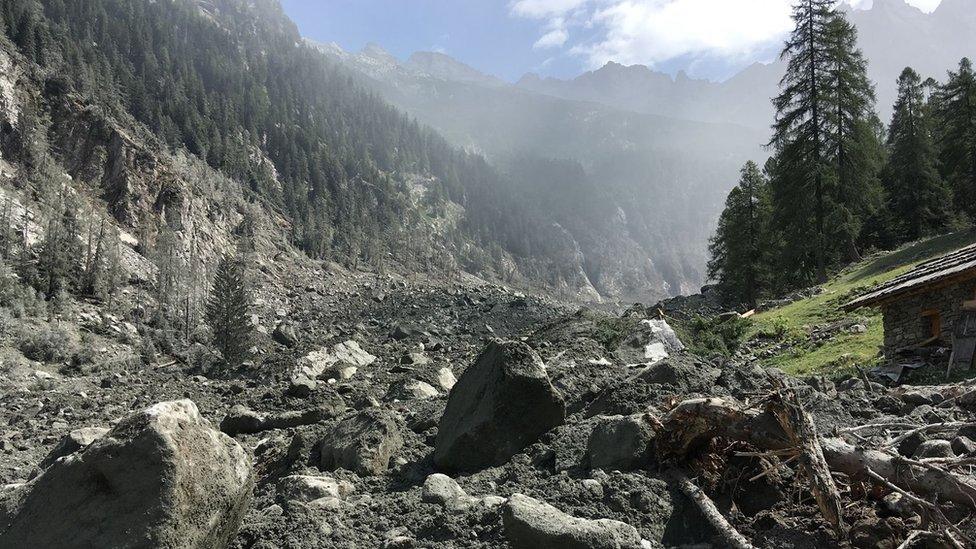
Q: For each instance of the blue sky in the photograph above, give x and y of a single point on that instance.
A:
(562, 38)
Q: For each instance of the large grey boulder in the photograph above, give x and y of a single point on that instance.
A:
(619, 443)
(533, 524)
(162, 477)
(501, 404)
(363, 443)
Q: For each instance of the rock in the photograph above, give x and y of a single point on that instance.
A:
(363, 443)
(401, 332)
(306, 488)
(72, 442)
(858, 329)
(532, 524)
(240, 419)
(908, 446)
(916, 398)
(411, 389)
(301, 386)
(594, 487)
(440, 488)
(415, 358)
(619, 443)
(446, 379)
(652, 342)
(342, 360)
(243, 420)
(963, 446)
(284, 333)
(934, 448)
(501, 404)
(162, 477)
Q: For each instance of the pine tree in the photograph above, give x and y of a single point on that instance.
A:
(826, 145)
(227, 311)
(917, 196)
(800, 133)
(736, 250)
(855, 147)
(955, 110)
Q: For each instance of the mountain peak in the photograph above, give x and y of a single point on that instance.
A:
(444, 67)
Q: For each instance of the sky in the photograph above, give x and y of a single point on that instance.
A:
(710, 39)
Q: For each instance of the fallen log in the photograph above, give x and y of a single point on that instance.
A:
(692, 423)
(709, 511)
(799, 427)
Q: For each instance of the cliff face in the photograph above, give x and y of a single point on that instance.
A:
(123, 175)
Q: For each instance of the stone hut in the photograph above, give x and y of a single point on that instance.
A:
(932, 304)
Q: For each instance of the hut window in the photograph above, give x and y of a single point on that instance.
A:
(931, 324)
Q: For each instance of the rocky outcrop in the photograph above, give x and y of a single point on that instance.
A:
(163, 477)
(500, 405)
(533, 524)
(363, 443)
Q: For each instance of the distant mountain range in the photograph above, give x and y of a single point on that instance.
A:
(655, 155)
(892, 33)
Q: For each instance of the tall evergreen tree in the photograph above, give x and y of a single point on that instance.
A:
(855, 146)
(227, 311)
(826, 145)
(800, 133)
(736, 250)
(920, 202)
(955, 106)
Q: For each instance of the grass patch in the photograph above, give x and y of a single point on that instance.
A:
(845, 351)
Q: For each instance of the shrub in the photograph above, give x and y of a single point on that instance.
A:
(47, 344)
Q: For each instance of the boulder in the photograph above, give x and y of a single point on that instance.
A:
(340, 361)
(501, 404)
(241, 419)
(442, 489)
(619, 443)
(284, 334)
(935, 448)
(532, 524)
(415, 358)
(446, 379)
(363, 443)
(72, 442)
(162, 477)
(652, 341)
(305, 488)
(411, 389)
(964, 446)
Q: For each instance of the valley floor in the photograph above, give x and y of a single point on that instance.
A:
(424, 334)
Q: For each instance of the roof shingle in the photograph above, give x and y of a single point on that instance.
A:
(923, 274)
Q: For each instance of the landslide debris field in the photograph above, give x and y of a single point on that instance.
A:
(384, 412)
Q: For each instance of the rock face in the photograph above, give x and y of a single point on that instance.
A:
(72, 442)
(501, 404)
(162, 477)
(363, 443)
(619, 443)
(533, 524)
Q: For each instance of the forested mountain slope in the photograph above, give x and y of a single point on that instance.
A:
(232, 83)
(638, 193)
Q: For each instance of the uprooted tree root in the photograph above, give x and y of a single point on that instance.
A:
(780, 428)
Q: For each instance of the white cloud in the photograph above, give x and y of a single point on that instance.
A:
(653, 31)
(543, 8)
(553, 39)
